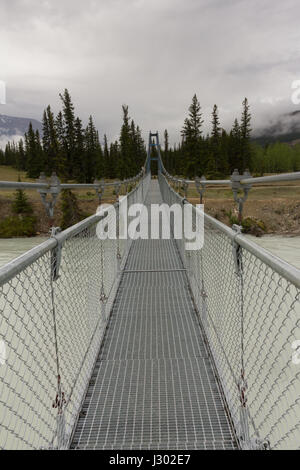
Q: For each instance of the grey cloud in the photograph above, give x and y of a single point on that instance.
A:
(153, 55)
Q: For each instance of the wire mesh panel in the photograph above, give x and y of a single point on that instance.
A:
(249, 304)
(55, 302)
(271, 325)
(28, 369)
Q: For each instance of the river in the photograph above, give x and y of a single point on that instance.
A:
(287, 248)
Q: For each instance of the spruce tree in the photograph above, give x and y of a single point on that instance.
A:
(106, 160)
(68, 138)
(191, 139)
(34, 153)
(234, 151)
(93, 163)
(79, 153)
(50, 143)
(124, 167)
(61, 160)
(166, 150)
(245, 131)
(214, 159)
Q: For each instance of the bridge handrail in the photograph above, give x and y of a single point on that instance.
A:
(48, 185)
(12, 268)
(293, 176)
(248, 302)
(55, 303)
(279, 265)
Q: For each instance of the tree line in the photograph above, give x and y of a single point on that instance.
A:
(74, 152)
(217, 154)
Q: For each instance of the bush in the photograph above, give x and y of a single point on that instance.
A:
(21, 204)
(253, 226)
(18, 226)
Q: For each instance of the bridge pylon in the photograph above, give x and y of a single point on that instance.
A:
(154, 142)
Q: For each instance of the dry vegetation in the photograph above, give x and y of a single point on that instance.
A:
(87, 201)
(277, 205)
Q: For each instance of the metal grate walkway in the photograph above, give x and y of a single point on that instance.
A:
(153, 386)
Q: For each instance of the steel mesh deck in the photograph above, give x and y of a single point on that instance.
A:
(153, 385)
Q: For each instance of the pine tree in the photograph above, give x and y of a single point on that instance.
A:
(191, 139)
(124, 164)
(106, 160)
(79, 153)
(214, 158)
(166, 154)
(61, 164)
(68, 126)
(50, 143)
(114, 156)
(21, 204)
(93, 163)
(34, 153)
(245, 131)
(21, 156)
(234, 154)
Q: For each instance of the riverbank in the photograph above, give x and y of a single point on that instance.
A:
(278, 216)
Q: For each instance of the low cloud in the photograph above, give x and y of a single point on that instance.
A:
(4, 139)
(152, 55)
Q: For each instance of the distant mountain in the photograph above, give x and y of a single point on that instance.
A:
(286, 128)
(11, 126)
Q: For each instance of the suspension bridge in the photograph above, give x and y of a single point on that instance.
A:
(143, 344)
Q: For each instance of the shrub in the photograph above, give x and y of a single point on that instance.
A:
(18, 226)
(21, 204)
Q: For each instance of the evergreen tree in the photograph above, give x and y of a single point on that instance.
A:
(124, 162)
(214, 158)
(234, 156)
(107, 163)
(50, 143)
(68, 138)
(245, 131)
(93, 163)
(21, 156)
(114, 155)
(166, 153)
(61, 160)
(21, 204)
(191, 139)
(79, 153)
(34, 153)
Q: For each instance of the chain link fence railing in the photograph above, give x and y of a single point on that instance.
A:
(249, 306)
(55, 302)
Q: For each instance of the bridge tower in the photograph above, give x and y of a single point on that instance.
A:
(153, 142)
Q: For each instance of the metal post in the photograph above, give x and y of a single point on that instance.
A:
(200, 186)
(237, 186)
(53, 190)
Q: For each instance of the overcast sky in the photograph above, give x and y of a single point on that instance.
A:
(152, 55)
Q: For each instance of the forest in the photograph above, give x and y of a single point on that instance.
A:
(77, 153)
